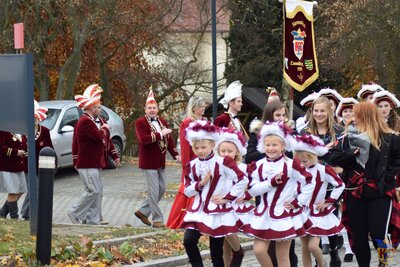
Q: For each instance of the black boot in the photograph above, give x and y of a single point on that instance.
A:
(335, 259)
(13, 206)
(237, 258)
(4, 210)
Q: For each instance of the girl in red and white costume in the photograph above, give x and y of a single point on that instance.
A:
(280, 215)
(233, 144)
(214, 182)
(320, 209)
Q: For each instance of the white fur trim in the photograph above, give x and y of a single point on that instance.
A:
(274, 129)
(329, 91)
(233, 138)
(192, 135)
(309, 99)
(255, 126)
(318, 150)
(373, 87)
(386, 95)
(344, 101)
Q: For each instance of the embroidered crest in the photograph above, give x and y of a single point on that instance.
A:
(298, 42)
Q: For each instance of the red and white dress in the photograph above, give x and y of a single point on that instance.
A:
(245, 210)
(271, 220)
(228, 180)
(324, 223)
(181, 202)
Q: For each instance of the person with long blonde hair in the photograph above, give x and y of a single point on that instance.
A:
(370, 157)
(322, 122)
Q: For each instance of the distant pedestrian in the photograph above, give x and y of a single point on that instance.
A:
(154, 139)
(88, 156)
(13, 150)
(195, 111)
(232, 101)
(42, 139)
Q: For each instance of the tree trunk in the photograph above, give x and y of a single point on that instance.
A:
(70, 69)
(104, 77)
(42, 78)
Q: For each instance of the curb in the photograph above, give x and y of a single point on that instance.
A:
(182, 259)
(120, 240)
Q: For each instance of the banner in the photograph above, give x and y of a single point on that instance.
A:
(300, 67)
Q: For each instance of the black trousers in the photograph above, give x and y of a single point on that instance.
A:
(190, 241)
(367, 216)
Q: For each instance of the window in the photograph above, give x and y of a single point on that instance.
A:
(71, 116)
(104, 115)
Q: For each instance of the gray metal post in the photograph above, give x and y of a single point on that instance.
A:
(47, 165)
(32, 176)
(214, 57)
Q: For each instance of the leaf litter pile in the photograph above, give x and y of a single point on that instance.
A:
(17, 247)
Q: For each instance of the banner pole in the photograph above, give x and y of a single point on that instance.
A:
(291, 102)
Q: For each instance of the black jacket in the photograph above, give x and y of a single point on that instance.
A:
(382, 165)
(252, 153)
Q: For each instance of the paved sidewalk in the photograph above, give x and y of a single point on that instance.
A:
(124, 191)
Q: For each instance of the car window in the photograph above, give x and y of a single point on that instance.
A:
(71, 116)
(104, 115)
(51, 119)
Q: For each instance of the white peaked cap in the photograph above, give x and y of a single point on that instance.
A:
(235, 137)
(310, 143)
(368, 89)
(331, 94)
(387, 96)
(234, 90)
(278, 129)
(346, 102)
(308, 100)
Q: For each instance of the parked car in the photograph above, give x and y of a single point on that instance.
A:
(62, 116)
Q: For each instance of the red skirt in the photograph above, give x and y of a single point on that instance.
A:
(178, 209)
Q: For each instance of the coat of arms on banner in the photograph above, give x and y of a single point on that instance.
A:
(298, 42)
